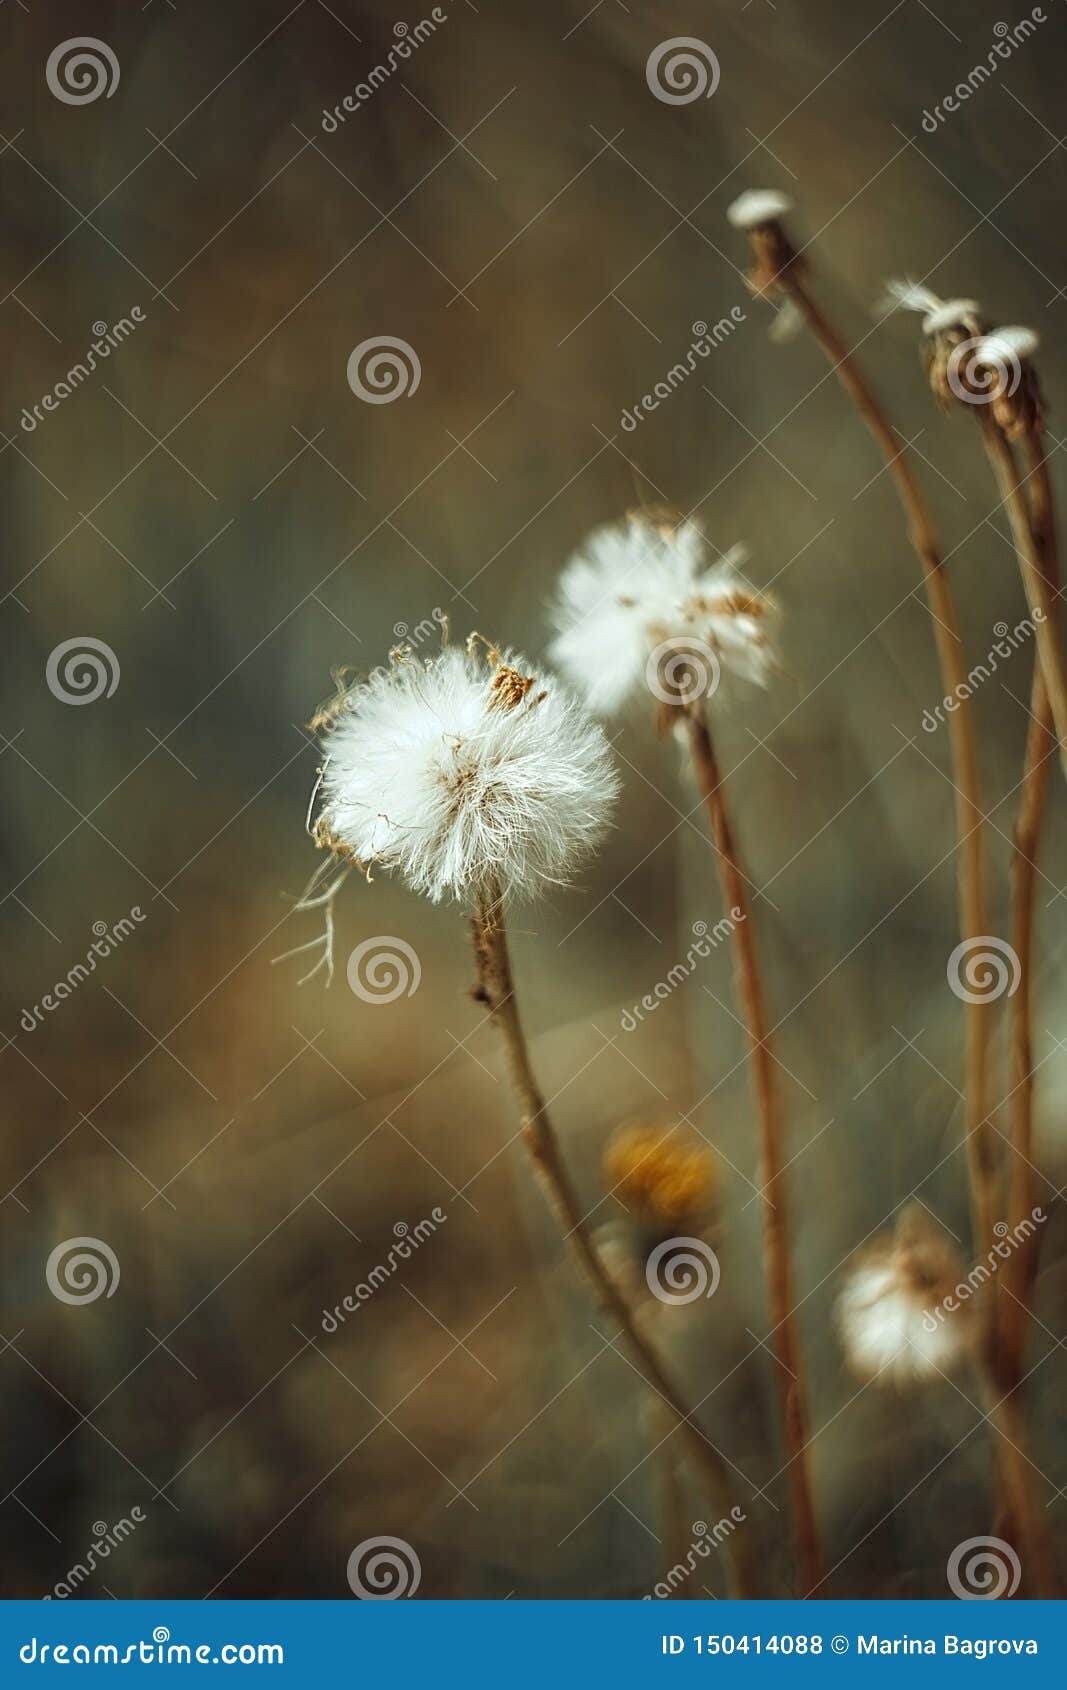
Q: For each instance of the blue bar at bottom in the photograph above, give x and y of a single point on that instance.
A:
(528, 1643)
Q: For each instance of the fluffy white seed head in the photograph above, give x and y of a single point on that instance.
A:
(1007, 345)
(461, 773)
(900, 1316)
(642, 609)
(757, 206)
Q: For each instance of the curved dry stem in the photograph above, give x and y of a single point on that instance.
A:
(496, 988)
(1039, 594)
(1023, 1518)
(1016, 1278)
(789, 1380)
(969, 820)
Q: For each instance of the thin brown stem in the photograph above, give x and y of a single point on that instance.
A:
(496, 988)
(1019, 1516)
(1040, 595)
(776, 1231)
(675, 1528)
(1022, 1516)
(969, 820)
(1016, 1278)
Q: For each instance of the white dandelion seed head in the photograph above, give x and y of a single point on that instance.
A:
(757, 206)
(434, 772)
(898, 1314)
(636, 586)
(1008, 345)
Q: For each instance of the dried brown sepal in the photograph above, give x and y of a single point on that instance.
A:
(508, 688)
(1010, 397)
(776, 259)
(327, 840)
(332, 708)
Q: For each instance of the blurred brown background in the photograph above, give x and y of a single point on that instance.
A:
(217, 506)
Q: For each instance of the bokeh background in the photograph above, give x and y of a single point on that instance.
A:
(218, 506)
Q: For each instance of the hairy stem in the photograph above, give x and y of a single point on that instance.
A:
(776, 1232)
(496, 987)
(950, 652)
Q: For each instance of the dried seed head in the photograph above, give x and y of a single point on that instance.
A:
(759, 212)
(970, 364)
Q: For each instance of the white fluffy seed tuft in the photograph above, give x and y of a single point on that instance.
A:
(1007, 345)
(757, 206)
(900, 1316)
(458, 773)
(639, 587)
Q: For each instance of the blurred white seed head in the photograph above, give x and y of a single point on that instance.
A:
(642, 608)
(757, 206)
(938, 315)
(459, 772)
(1008, 345)
(899, 1316)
